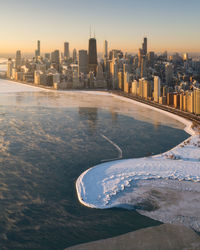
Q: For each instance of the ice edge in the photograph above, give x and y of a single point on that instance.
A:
(188, 128)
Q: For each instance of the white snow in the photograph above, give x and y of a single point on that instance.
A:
(106, 180)
(14, 87)
(121, 183)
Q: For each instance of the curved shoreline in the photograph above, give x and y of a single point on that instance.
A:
(187, 123)
(188, 128)
(184, 121)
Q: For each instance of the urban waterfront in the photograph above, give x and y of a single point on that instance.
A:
(47, 140)
(99, 125)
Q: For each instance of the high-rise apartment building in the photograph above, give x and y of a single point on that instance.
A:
(197, 101)
(156, 88)
(10, 68)
(190, 102)
(144, 72)
(82, 62)
(66, 51)
(146, 89)
(140, 55)
(126, 82)
(151, 59)
(92, 55)
(38, 47)
(105, 56)
(74, 57)
(114, 69)
(135, 87)
(55, 59)
(141, 87)
(18, 60)
(37, 52)
(169, 74)
(121, 80)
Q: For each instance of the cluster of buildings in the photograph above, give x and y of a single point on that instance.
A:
(59, 70)
(169, 80)
(172, 81)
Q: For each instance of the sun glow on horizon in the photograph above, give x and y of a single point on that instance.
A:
(170, 26)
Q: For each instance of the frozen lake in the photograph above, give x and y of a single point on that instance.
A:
(48, 139)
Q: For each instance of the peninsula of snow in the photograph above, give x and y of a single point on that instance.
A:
(165, 187)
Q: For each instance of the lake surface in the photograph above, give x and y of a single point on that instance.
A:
(47, 139)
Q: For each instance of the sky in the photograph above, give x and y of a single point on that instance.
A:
(171, 25)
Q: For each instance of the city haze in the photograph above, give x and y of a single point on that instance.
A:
(170, 25)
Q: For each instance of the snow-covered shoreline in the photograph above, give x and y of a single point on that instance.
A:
(106, 185)
(136, 182)
(7, 86)
(187, 123)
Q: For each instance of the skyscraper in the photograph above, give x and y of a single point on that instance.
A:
(10, 68)
(151, 59)
(169, 74)
(55, 59)
(197, 101)
(140, 54)
(146, 89)
(38, 47)
(105, 56)
(156, 88)
(144, 72)
(185, 57)
(66, 50)
(18, 59)
(82, 62)
(74, 56)
(37, 51)
(144, 47)
(92, 55)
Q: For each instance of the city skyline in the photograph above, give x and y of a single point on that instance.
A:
(170, 26)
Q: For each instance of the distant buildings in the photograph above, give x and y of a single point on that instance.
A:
(74, 56)
(55, 59)
(82, 62)
(147, 90)
(18, 60)
(126, 82)
(144, 47)
(105, 55)
(92, 55)
(66, 51)
(197, 101)
(168, 80)
(37, 52)
(156, 88)
(10, 68)
(169, 74)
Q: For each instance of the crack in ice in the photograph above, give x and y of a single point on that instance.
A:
(120, 153)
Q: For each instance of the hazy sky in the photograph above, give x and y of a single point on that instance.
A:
(171, 25)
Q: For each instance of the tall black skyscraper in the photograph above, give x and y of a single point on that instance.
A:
(92, 55)
(144, 47)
